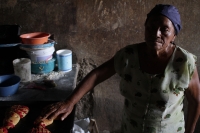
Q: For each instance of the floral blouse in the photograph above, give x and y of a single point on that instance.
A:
(153, 103)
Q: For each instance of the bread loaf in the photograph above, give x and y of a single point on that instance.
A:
(3, 130)
(14, 114)
(39, 129)
(11, 120)
(43, 122)
(21, 110)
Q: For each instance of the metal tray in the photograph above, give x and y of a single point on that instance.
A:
(26, 123)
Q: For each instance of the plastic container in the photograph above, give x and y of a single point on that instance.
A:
(43, 67)
(35, 38)
(22, 68)
(38, 59)
(64, 60)
(42, 46)
(9, 85)
(40, 55)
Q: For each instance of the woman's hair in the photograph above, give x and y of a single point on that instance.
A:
(169, 11)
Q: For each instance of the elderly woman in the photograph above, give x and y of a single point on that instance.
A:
(156, 75)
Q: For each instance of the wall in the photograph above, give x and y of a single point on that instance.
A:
(94, 30)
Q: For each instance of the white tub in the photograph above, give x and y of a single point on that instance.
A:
(40, 55)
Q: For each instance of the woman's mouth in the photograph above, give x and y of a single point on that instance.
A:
(155, 41)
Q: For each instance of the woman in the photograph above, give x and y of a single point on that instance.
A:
(155, 77)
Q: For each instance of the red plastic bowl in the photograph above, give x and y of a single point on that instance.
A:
(35, 38)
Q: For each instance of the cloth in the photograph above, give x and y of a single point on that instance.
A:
(81, 126)
(168, 11)
(153, 103)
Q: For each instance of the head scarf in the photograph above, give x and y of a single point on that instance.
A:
(168, 11)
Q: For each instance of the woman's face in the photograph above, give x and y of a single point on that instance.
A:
(159, 32)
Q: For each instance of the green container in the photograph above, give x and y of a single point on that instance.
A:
(43, 67)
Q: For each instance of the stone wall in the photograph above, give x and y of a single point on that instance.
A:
(94, 30)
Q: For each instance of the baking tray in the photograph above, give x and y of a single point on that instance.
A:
(26, 123)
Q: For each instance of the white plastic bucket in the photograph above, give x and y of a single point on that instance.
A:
(38, 59)
(64, 60)
(40, 55)
(22, 68)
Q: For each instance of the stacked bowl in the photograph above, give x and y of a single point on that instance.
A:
(40, 50)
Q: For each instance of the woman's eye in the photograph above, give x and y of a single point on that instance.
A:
(165, 29)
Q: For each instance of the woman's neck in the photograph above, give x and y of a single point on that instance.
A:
(161, 54)
(154, 62)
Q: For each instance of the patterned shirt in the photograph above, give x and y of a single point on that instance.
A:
(153, 103)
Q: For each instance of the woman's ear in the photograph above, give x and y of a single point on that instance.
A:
(172, 41)
(174, 37)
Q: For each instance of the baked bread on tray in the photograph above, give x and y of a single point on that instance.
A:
(14, 114)
(39, 129)
(3, 130)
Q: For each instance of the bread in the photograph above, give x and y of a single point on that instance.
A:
(14, 114)
(11, 120)
(21, 110)
(39, 129)
(3, 130)
(43, 122)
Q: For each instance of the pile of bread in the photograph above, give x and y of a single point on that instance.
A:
(17, 112)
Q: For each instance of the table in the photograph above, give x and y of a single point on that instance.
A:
(37, 99)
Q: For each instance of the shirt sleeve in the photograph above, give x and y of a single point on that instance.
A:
(123, 57)
(119, 61)
(192, 59)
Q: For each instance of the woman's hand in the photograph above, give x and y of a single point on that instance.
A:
(59, 110)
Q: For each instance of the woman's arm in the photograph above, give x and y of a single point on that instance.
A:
(193, 97)
(95, 77)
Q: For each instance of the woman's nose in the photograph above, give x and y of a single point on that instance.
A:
(156, 32)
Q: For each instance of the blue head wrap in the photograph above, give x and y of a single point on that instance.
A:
(168, 11)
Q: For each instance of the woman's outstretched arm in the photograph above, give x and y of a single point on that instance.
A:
(63, 108)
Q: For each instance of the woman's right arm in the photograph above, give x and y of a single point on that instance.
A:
(96, 76)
